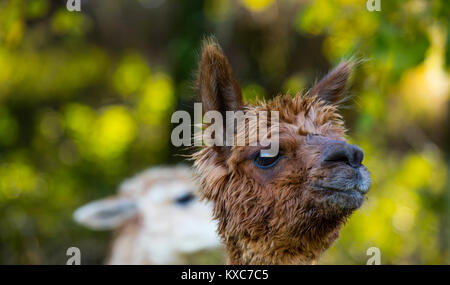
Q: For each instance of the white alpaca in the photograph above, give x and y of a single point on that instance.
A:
(157, 216)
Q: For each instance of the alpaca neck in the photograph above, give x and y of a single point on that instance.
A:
(301, 250)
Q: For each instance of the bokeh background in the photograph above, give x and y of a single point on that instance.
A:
(86, 99)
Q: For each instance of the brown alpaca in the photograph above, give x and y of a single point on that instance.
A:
(286, 209)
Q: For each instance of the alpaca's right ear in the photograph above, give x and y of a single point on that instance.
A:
(219, 90)
(332, 87)
(106, 214)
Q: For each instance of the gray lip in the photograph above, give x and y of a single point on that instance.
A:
(326, 188)
(361, 184)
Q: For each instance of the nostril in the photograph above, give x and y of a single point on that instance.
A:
(357, 156)
(336, 155)
(344, 153)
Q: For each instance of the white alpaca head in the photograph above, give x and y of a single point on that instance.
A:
(158, 216)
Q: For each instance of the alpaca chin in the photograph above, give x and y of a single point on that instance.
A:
(344, 188)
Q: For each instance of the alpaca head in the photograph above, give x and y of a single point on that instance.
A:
(158, 216)
(287, 208)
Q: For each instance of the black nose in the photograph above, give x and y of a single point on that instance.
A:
(343, 152)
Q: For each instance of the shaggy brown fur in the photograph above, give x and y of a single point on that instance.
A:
(291, 212)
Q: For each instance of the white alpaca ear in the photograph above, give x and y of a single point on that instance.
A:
(105, 214)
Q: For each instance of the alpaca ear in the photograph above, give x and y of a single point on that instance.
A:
(219, 90)
(106, 214)
(332, 87)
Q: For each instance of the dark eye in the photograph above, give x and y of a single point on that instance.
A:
(185, 199)
(264, 162)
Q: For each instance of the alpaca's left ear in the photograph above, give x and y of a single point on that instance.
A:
(332, 87)
(219, 90)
